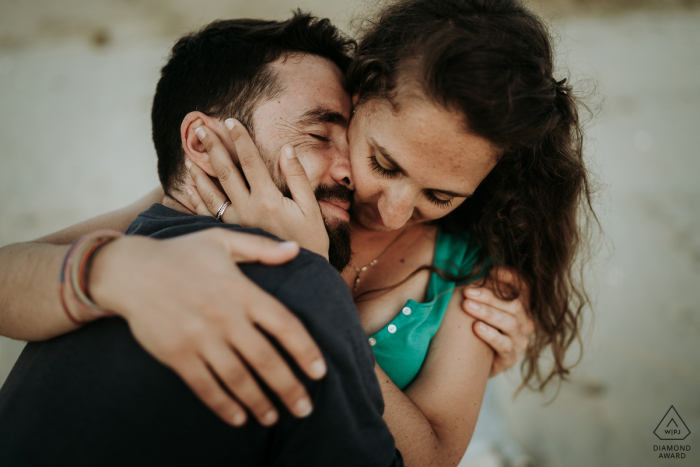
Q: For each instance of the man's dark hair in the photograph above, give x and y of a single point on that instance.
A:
(223, 71)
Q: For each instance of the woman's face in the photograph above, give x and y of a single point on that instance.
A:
(412, 165)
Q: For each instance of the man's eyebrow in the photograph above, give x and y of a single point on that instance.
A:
(322, 115)
(398, 167)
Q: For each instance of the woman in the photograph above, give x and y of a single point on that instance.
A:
(443, 72)
(479, 76)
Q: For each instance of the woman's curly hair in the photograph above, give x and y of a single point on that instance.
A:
(492, 61)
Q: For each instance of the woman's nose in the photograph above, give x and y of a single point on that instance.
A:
(396, 208)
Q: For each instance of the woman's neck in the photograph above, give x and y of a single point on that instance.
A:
(367, 244)
(382, 259)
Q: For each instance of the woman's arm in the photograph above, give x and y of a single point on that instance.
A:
(30, 306)
(173, 315)
(433, 420)
(188, 305)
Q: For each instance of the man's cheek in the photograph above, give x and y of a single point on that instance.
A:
(314, 171)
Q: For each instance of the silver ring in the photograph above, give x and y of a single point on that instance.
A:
(222, 209)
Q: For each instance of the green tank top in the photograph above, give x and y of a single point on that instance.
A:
(400, 347)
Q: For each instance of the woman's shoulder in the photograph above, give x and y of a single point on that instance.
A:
(451, 236)
(456, 251)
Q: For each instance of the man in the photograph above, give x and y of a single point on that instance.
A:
(96, 397)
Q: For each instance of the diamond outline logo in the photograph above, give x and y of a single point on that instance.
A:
(679, 428)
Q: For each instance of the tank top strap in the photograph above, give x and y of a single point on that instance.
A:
(455, 254)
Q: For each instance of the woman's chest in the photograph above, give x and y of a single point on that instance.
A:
(377, 312)
(396, 277)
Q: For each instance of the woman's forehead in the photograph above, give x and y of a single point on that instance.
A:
(430, 143)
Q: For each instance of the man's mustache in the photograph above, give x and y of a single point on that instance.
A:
(333, 193)
(327, 193)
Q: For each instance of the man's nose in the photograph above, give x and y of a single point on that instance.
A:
(396, 207)
(341, 171)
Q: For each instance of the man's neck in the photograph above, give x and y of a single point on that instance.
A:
(173, 203)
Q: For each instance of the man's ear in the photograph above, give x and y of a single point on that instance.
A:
(194, 149)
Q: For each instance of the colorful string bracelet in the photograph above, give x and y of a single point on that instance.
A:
(75, 272)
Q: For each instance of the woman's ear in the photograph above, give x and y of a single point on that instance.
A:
(194, 149)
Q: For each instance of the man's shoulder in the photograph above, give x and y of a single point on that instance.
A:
(160, 221)
(308, 271)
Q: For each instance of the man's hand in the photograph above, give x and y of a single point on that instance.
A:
(190, 307)
(504, 325)
(262, 205)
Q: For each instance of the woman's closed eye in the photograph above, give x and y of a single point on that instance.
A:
(442, 203)
(389, 173)
(384, 172)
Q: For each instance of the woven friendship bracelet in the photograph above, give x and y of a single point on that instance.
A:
(75, 270)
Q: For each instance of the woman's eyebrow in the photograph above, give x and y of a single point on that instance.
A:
(385, 155)
(322, 115)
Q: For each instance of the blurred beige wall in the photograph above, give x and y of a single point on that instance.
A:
(76, 83)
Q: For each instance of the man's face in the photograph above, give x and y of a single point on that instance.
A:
(312, 114)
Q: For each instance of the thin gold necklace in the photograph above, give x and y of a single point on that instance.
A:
(359, 271)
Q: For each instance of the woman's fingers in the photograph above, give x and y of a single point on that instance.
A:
(288, 330)
(252, 164)
(297, 181)
(502, 324)
(499, 319)
(198, 377)
(487, 296)
(228, 174)
(273, 317)
(200, 207)
(229, 369)
(209, 194)
(260, 354)
(514, 307)
(506, 354)
(205, 325)
(248, 248)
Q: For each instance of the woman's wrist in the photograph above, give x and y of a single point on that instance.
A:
(75, 275)
(101, 284)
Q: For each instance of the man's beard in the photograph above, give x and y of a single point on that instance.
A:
(339, 251)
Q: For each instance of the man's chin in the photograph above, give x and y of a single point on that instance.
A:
(339, 249)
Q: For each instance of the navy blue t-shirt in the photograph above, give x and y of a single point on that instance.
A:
(95, 397)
